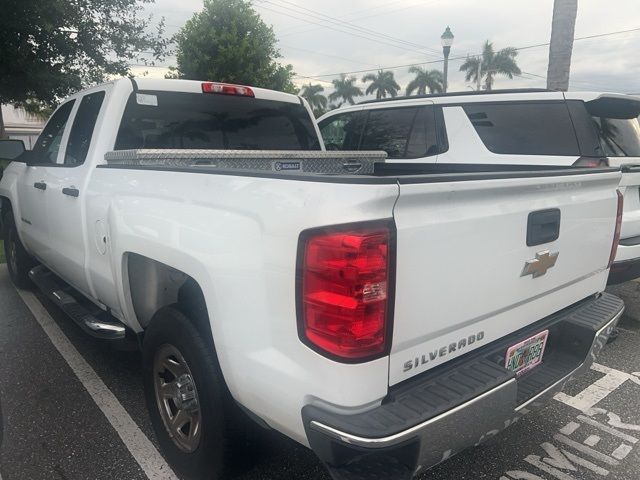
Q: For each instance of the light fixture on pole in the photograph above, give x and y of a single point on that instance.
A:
(447, 41)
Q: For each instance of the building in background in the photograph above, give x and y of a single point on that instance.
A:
(20, 125)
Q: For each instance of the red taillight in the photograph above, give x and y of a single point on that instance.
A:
(227, 89)
(344, 291)
(616, 233)
(590, 162)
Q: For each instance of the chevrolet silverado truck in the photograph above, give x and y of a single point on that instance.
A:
(519, 126)
(385, 315)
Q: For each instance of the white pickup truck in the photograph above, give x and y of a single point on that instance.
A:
(364, 309)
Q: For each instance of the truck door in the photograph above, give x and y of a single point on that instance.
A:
(65, 195)
(32, 222)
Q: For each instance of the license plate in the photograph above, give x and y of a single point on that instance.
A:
(528, 354)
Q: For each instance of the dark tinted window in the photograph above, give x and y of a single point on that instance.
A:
(82, 129)
(423, 139)
(195, 120)
(619, 137)
(540, 128)
(401, 132)
(585, 128)
(343, 132)
(46, 148)
(389, 130)
(408, 132)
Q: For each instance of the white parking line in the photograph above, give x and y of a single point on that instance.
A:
(140, 447)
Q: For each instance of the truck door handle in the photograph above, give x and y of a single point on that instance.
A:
(40, 185)
(543, 226)
(72, 192)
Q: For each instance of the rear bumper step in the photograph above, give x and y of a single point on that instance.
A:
(59, 293)
(424, 421)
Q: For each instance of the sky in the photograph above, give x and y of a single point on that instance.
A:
(324, 38)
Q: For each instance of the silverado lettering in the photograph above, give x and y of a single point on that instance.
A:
(443, 351)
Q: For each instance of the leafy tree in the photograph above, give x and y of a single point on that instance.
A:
(345, 90)
(382, 84)
(424, 80)
(491, 63)
(228, 42)
(317, 101)
(563, 28)
(52, 48)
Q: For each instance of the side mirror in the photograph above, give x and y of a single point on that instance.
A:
(29, 157)
(12, 150)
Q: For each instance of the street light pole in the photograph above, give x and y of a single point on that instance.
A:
(447, 41)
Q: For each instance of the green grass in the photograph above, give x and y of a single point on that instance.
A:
(2, 259)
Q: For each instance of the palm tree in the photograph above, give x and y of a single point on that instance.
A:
(382, 84)
(431, 80)
(563, 28)
(491, 63)
(313, 94)
(345, 90)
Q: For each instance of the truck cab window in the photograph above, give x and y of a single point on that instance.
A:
(82, 129)
(180, 120)
(48, 144)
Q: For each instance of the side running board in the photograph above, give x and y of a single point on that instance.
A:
(61, 294)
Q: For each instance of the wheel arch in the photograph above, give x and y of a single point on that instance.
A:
(152, 285)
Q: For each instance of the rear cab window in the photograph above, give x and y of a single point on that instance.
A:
(179, 120)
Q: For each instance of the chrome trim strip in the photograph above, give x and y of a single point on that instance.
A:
(400, 437)
(598, 334)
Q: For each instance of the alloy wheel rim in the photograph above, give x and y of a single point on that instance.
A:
(177, 398)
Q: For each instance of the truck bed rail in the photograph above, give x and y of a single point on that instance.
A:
(361, 163)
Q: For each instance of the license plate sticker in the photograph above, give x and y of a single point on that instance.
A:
(527, 354)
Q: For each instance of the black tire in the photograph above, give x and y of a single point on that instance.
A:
(209, 460)
(19, 262)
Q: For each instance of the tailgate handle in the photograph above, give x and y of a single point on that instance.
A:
(543, 226)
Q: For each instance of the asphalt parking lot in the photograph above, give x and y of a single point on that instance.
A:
(73, 408)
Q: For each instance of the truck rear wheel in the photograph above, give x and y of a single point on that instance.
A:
(19, 262)
(185, 396)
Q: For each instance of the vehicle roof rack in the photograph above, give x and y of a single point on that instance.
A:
(458, 94)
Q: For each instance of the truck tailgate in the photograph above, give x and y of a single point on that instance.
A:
(462, 249)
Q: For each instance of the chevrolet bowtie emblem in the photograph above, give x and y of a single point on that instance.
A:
(539, 265)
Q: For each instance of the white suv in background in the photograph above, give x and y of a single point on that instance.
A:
(516, 127)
